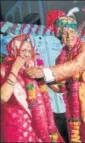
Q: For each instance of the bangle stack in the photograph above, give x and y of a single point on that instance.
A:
(13, 74)
(9, 81)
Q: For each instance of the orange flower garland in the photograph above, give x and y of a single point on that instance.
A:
(43, 88)
(54, 137)
(31, 91)
(75, 133)
(43, 128)
(82, 100)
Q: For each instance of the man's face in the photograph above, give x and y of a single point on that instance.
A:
(69, 37)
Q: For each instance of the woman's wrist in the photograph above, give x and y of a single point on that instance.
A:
(12, 77)
(10, 82)
(14, 72)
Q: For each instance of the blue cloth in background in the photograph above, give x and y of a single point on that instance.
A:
(49, 48)
(4, 41)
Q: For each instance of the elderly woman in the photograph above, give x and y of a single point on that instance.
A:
(26, 110)
(70, 71)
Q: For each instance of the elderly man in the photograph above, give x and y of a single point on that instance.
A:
(70, 71)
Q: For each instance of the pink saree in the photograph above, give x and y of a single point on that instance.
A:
(28, 118)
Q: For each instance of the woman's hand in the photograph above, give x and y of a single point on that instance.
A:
(18, 64)
(8, 87)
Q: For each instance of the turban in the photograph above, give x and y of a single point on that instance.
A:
(52, 16)
(62, 22)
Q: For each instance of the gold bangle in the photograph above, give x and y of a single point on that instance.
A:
(13, 74)
(10, 81)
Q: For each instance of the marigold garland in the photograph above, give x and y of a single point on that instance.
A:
(31, 91)
(54, 137)
(75, 133)
(43, 88)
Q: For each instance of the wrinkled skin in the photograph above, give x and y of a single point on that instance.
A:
(61, 72)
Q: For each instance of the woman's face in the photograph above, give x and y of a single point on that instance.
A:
(69, 37)
(25, 50)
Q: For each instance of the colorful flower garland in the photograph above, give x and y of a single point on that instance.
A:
(42, 113)
(74, 97)
(75, 133)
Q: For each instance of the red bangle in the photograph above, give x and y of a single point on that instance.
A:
(13, 74)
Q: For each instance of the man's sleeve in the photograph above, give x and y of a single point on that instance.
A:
(70, 68)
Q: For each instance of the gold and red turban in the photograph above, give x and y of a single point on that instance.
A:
(52, 16)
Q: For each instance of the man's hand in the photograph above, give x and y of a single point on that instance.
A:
(35, 72)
